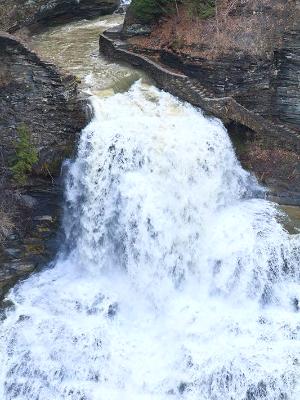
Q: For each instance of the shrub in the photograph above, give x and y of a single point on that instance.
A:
(177, 43)
(26, 155)
(202, 8)
(148, 10)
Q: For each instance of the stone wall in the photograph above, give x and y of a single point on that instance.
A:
(268, 86)
(191, 90)
(244, 78)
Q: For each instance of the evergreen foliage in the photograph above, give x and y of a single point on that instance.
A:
(26, 155)
(202, 8)
(148, 10)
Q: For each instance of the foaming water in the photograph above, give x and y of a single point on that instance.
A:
(178, 281)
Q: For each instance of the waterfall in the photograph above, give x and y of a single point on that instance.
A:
(125, 2)
(177, 280)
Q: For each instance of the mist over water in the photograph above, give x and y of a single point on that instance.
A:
(178, 281)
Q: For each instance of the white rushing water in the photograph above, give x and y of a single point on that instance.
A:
(177, 283)
(125, 2)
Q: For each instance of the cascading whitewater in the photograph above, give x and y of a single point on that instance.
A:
(177, 281)
(125, 2)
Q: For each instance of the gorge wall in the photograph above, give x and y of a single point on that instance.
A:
(249, 52)
(38, 14)
(38, 99)
(41, 116)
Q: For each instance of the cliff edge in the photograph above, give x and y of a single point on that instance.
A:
(35, 15)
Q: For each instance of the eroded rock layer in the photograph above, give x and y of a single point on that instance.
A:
(242, 65)
(17, 14)
(35, 97)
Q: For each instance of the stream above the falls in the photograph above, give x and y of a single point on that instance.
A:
(75, 47)
(177, 280)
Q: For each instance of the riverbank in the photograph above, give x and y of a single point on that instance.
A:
(269, 149)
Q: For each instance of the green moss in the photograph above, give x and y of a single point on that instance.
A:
(26, 155)
(43, 229)
(34, 249)
(52, 167)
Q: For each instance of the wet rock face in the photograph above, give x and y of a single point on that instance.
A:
(17, 14)
(37, 95)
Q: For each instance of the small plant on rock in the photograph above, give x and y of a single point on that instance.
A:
(177, 43)
(26, 155)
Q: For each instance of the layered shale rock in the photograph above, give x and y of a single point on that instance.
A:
(23, 14)
(243, 66)
(249, 51)
(41, 114)
(42, 101)
(36, 94)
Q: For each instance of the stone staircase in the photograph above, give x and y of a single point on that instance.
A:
(231, 109)
(191, 90)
